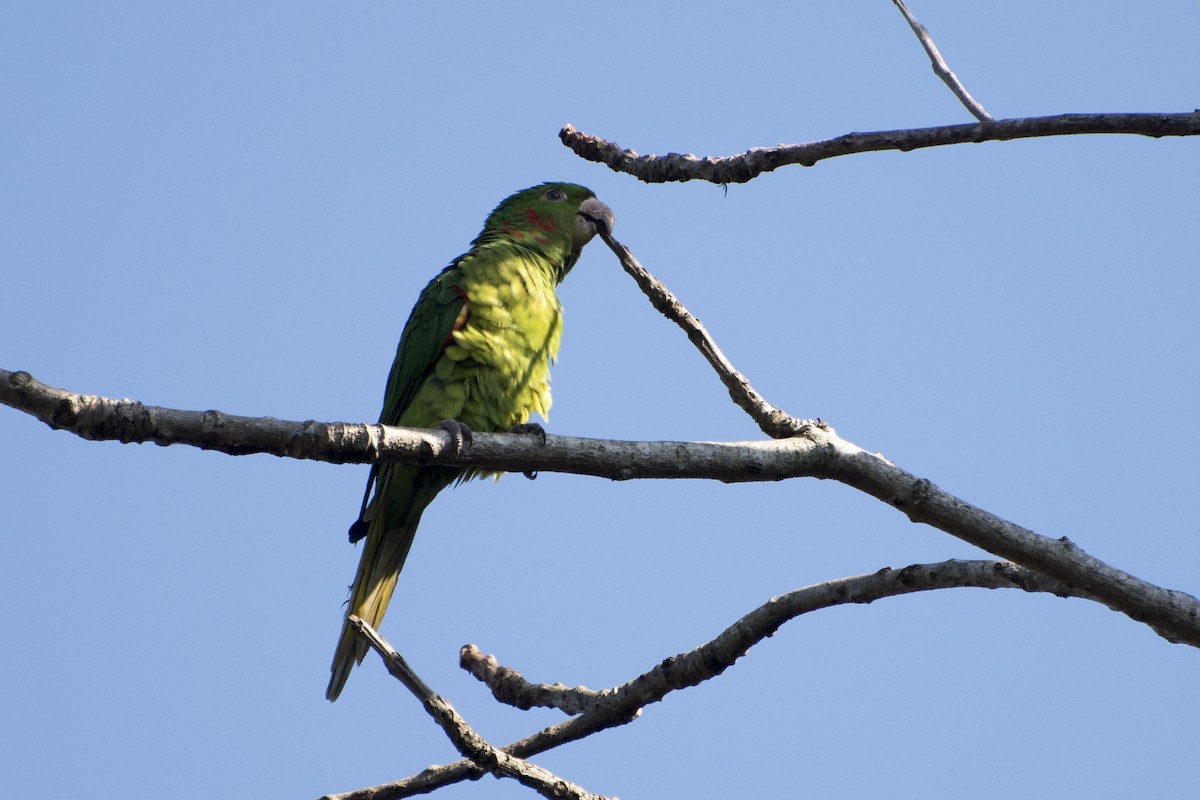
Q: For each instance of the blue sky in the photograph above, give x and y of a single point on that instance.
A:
(233, 206)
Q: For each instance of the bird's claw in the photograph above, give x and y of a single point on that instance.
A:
(530, 429)
(460, 435)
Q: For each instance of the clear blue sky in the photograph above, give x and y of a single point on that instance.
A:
(233, 206)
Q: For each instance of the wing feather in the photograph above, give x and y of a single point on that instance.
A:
(439, 310)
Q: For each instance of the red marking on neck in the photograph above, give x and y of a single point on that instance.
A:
(548, 225)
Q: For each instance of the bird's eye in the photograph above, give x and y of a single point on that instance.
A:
(555, 195)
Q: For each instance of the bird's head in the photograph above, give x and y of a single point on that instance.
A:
(555, 219)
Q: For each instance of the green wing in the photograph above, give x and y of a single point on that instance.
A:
(425, 336)
(434, 317)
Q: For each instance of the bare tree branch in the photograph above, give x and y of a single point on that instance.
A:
(754, 162)
(1173, 615)
(510, 687)
(711, 659)
(129, 421)
(772, 421)
(622, 704)
(819, 453)
(941, 68)
(816, 452)
(132, 422)
(714, 657)
(465, 739)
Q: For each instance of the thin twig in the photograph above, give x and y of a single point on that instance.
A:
(941, 68)
(465, 739)
(746, 166)
(772, 421)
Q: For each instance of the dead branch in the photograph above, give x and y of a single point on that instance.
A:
(465, 739)
(941, 68)
(746, 166)
(622, 704)
(816, 452)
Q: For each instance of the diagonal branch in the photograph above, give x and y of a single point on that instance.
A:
(712, 658)
(772, 421)
(746, 166)
(622, 704)
(941, 68)
(465, 739)
(1173, 615)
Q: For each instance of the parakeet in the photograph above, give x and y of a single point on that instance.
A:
(476, 349)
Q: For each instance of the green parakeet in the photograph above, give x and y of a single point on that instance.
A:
(476, 349)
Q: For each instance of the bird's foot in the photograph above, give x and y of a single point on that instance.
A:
(358, 530)
(530, 429)
(460, 435)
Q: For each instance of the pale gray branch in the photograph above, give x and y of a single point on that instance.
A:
(941, 68)
(746, 166)
(1173, 615)
(129, 421)
(818, 453)
(622, 704)
(711, 659)
(465, 739)
(714, 657)
(510, 687)
(772, 421)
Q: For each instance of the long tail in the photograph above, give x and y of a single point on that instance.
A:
(378, 569)
(382, 558)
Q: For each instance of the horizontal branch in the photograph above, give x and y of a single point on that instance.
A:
(622, 704)
(131, 422)
(746, 166)
(818, 453)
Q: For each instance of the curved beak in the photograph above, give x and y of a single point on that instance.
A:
(591, 217)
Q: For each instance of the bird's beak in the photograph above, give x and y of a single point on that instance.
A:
(592, 216)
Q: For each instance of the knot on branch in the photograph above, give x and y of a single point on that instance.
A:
(332, 438)
(101, 419)
(912, 501)
(778, 424)
(305, 442)
(20, 380)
